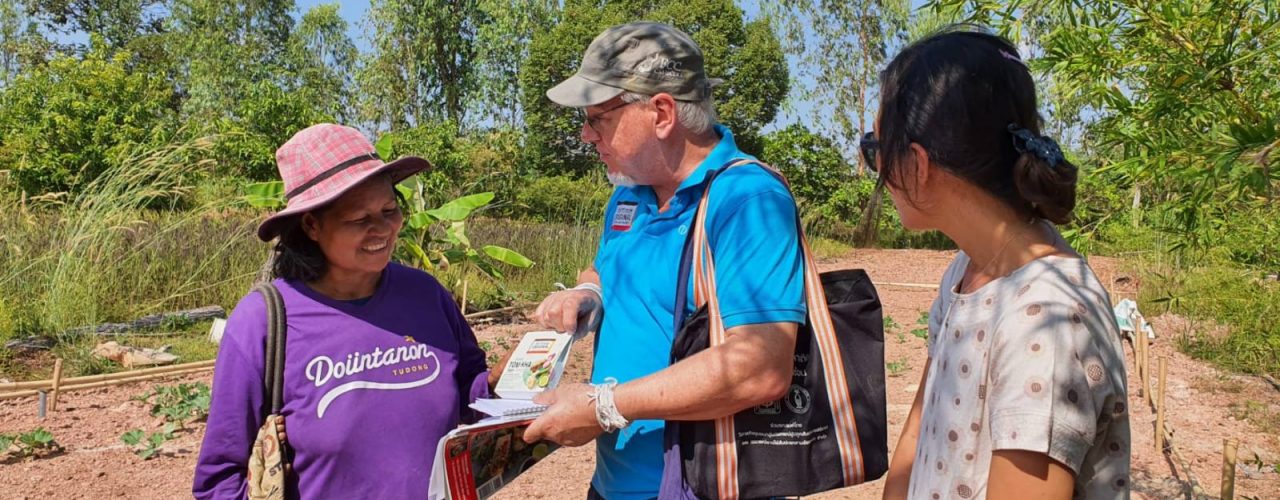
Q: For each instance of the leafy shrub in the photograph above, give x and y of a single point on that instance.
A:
(64, 123)
(262, 121)
(562, 199)
(812, 163)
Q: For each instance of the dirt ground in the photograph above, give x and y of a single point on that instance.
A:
(1205, 406)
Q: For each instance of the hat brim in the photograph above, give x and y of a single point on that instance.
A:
(579, 92)
(399, 170)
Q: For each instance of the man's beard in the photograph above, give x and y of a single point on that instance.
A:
(621, 180)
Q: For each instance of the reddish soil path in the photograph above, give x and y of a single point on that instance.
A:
(1205, 406)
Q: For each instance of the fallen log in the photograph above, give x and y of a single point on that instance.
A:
(152, 321)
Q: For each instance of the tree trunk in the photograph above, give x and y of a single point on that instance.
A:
(868, 231)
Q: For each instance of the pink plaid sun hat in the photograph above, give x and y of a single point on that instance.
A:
(320, 163)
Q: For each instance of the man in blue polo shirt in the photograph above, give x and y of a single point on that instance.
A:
(649, 113)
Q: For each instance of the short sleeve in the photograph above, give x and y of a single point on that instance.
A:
(759, 263)
(1040, 397)
(938, 311)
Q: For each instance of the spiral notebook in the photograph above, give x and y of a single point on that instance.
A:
(508, 407)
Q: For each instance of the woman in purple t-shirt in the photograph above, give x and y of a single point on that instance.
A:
(379, 362)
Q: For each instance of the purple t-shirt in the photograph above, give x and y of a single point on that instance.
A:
(369, 389)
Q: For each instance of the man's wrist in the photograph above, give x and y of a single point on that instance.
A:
(593, 288)
(606, 411)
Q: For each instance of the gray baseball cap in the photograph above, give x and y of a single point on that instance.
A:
(641, 57)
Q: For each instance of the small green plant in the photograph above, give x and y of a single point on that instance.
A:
(180, 403)
(148, 446)
(890, 324)
(487, 347)
(30, 444)
(896, 368)
(922, 332)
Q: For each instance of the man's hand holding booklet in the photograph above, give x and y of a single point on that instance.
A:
(474, 461)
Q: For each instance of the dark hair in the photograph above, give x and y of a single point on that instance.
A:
(955, 93)
(298, 257)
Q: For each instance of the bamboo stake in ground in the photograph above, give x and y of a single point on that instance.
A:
(1139, 350)
(1146, 363)
(57, 381)
(1229, 468)
(1160, 410)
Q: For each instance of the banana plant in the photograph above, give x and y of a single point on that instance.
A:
(450, 247)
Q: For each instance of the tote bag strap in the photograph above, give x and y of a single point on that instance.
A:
(273, 369)
(823, 332)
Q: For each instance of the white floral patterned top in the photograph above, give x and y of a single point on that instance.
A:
(1031, 361)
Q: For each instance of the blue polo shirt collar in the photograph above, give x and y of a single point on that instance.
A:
(725, 150)
(690, 190)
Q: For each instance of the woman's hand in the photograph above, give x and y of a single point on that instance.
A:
(495, 371)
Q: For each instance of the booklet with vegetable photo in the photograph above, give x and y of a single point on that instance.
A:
(535, 366)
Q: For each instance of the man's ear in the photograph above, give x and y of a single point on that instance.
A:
(310, 225)
(665, 119)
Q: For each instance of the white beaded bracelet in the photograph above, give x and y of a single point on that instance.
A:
(606, 412)
(593, 287)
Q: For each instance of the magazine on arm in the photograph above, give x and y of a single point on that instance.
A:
(475, 461)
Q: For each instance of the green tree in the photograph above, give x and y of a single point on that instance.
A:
(502, 44)
(118, 22)
(812, 163)
(1180, 100)
(862, 32)
(225, 47)
(64, 123)
(322, 58)
(747, 55)
(21, 43)
(421, 66)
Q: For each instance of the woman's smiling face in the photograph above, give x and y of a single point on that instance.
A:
(358, 231)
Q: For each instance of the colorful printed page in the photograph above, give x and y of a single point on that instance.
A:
(534, 367)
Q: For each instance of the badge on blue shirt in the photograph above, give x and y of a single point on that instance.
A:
(623, 215)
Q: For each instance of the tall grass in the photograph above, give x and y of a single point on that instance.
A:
(125, 246)
(1234, 307)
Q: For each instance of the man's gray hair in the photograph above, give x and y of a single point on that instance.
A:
(698, 117)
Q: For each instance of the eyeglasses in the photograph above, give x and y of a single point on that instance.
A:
(870, 146)
(594, 121)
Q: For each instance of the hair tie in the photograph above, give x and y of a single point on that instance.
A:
(1043, 147)
(1013, 58)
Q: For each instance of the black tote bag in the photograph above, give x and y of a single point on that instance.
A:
(829, 430)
